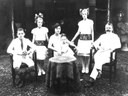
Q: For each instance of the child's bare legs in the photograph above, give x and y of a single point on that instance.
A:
(81, 58)
(40, 64)
(85, 63)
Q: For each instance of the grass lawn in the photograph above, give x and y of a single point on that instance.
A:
(119, 86)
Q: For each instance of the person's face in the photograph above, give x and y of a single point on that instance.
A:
(108, 28)
(64, 39)
(39, 22)
(57, 30)
(20, 34)
(84, 14)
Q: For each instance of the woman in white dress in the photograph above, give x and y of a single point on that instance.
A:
(55, 40)
(40, 35)
(86, 32)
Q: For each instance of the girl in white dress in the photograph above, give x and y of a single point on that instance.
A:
(40, 35)
(85, 30)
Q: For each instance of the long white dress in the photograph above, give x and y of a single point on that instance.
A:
(55, 41)
(86, 38)
(40, 35)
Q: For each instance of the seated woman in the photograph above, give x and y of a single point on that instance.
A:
(55, 40)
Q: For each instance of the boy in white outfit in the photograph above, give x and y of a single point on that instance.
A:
(18, 48)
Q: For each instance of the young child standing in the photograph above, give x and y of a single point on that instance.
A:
(85, 30)
(40, 35)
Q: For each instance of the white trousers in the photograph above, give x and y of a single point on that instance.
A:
(100, 58)
(17, 60)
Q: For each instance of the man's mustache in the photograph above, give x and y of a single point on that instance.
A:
(108, 30)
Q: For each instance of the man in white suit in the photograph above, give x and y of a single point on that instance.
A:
(105, 44)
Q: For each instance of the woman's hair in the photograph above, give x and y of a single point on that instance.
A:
(20, 29)
(84, 9)
(56, 25)
(40, 15)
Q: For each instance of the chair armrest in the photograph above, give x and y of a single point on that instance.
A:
(92, 50)
(11, 57)
(34, 56)
(116, 50)
(114, 54)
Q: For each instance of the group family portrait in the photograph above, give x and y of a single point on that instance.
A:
(63, 47)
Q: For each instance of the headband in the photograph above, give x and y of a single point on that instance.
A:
(40, 15)
(83, 9)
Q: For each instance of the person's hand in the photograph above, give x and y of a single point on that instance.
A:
(24, 54)
(76, 49)
(29, 52)
(30, 55)
(92, 45)
(59, 52)
(72, 42)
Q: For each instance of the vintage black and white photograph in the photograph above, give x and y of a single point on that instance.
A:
(63, 47)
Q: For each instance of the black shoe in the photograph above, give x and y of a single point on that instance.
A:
(19, 83)
(89, 83)
(98, 76)
(21, 79)
(17, 80)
